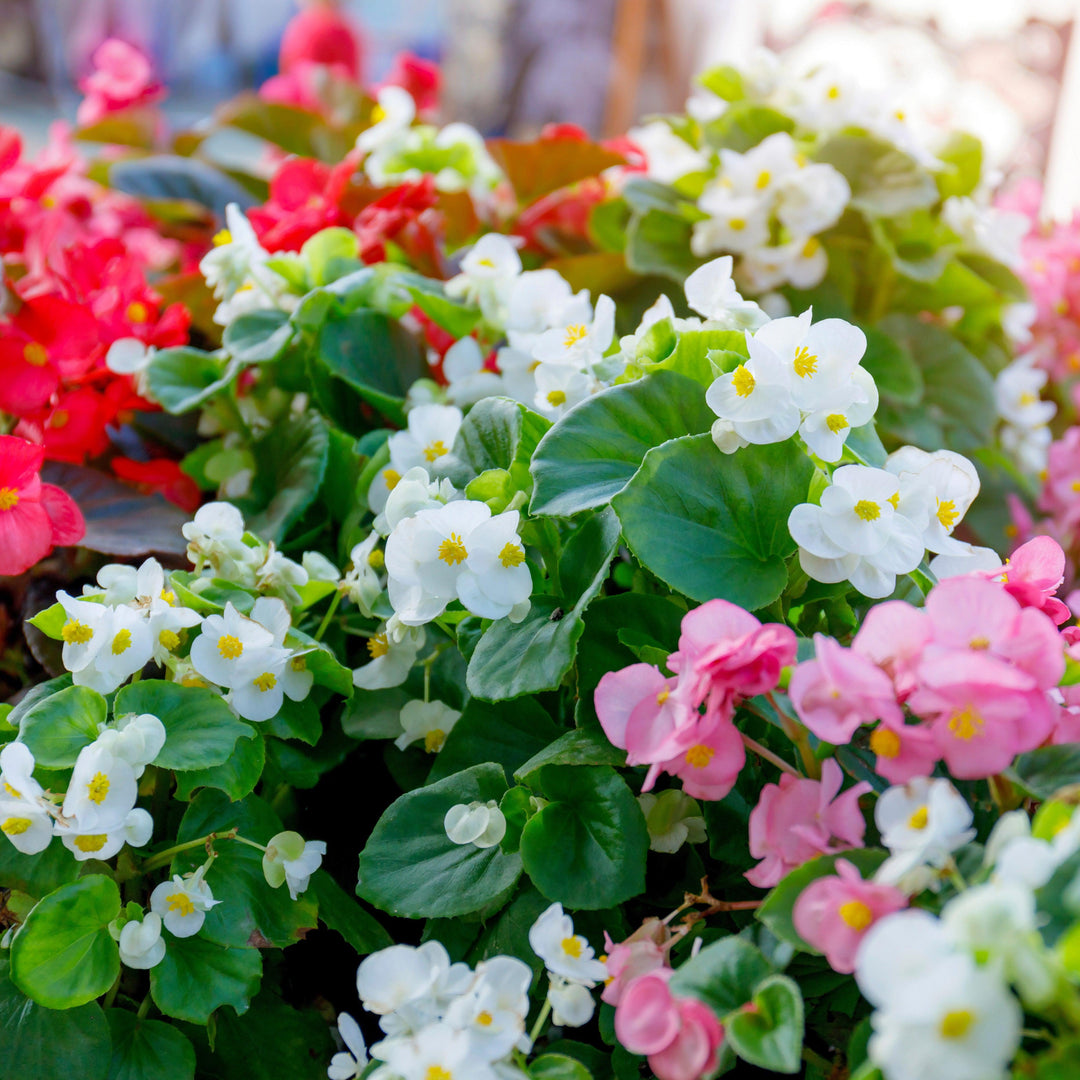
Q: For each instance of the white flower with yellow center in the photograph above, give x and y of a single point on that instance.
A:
(565, 953)
(126, 647)
(801, 262)
(571, 1003)
(223, 651)
(948, 483)
(271, 613)
(710, 291)
(762, 168)
(102, 789)
(857, 533)
(100, 842)
(427, 722)
(493, 1011)
(579, 345)
(735, 223)
(481, 824)
(488, 271)
(922, 823)
(496, 581)
(811, 199)
(24, 819)
(469, 381)
(754, 402)
(667, 156)
(216, 536)
(84, 632)
(559, 388)
(428, 438)
(167, 625)
(540, 300)
(183, 903)
(259, 685)
(1025, 433)
(227, 266)
(413, 492)
(141, 944)
(436, 1052)
(390, 660)
(392, 116)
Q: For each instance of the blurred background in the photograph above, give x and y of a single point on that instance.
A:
(1002, 69)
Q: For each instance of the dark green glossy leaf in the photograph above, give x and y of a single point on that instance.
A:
(148, 1049)
(198, 976)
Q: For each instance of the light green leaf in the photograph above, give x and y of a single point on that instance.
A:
(496, 433)
(558, 1067)
(57, 727)
(1044, 772)
(182, 378)
(771, 1035)
(237, 777)
(723, 974)
(258, 336)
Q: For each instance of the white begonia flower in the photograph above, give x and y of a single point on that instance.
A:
(469, 381)
(1030, 861)
(673, 819)
(429, 721)
(579, 344)
(119, 582)
(84, 842)
(479, 823)
(17, 773)
(710, 291)
(961, 1024)
(259, 687)
(126, 647)
(23, 817)
(572, 1005)
(754, 401)
(413, 492)
(84, 632)
(898, 952)
(428, 438)
(801, 262)
(811, 200)
(362, 582)
(296, 680)
(320, 568)
(216, 536)
(291, 860)
(1017, 320)
(437, 1052)
(1012, 825)
(350, 1063)
(735, 223)
(102, 789)
(997, 922)
(183, 903)
(391, 660)
(395, 113)
(130, 356)
(494, 1008)
(763, 167)
(228, 266)
(425, 556)
(922, 823)
(223, 650)
(280, 575)
(488, 271)
(135, 739)
(1029, 447)
(141, 944)
(559, 388)
(857, 533)
(495, 580)
(1016, 392)
(970, 560)
(518, 373)
(540, 300)
(950, 483)
(994, 232)
(396, 976)
(667, 157)
(565, 953)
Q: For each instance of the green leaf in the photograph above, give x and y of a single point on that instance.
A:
(148, 1049)
(963, 158)
(250, 912)
(496, 433)
(558, 1067)
(327, 250)
(167, 177)
(884, 180)
(198, 976)
(48, 1044)
(50, 621)
(200, 729)
(296, 720)
(724, 81)
(582, 746)
(373, 355)
(1044, 772)
(771, 1034)
(512, 659)
(322, 663)
(712, 524)
(257, 336)
(587, 846)
(183, 378)
(658, 242)
(37, 875)
(237, 777)
(63, 955)
(409, 866)
(291, 460)
(455, 318)
(592, 453)
(776, 911)
(744, 125)
(341, 912)
(894, 369)
(506, 733)
(57, 727)
(723, 974)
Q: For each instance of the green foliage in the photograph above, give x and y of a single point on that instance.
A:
(148, 1049)
(58, 726)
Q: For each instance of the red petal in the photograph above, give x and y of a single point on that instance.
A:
(25, 537)
(20, 461)
(68, 523)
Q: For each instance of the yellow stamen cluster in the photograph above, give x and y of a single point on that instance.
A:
(76, 633)
(452, 550)
(9, 498)
(230, 646)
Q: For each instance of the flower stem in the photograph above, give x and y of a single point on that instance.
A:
(163, 857)
(144, 1008)
(545, 1012)
(328, 616)
(762, 752)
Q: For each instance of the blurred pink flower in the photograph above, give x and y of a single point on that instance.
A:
(122, 78)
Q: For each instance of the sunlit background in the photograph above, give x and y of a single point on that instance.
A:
(1002, 69)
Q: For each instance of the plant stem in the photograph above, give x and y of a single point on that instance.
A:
(163, 857)
(250, 843)
(144, 1008)
(110, 997)
(328, 616)
(545, 1012)
(762, 752)
(800, 737)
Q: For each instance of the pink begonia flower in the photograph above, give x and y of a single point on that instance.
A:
(711, 765)
(640, 714)
(800, 818)
(122, 78)
(903, 751)
(1060, 495)
(1067, 717)
(893, 636)
(643, 951)
(726, 654)
(970, 614)
(984, 711)
(1034, 573)
(834, 913)
(680, 1036)
(840, 690)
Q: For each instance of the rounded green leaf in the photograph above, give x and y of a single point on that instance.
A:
(257, 336)
(182, 378)
(148, 1049)
(1044, 772)
(769, 1033)
(200, 729)
(587, 847)
(409, 865)
(198, 976)
(723, 974)
(712, 524)
(64, 955)
(49, 1044)
(558, 1067)
(57, 727)
(591, 454)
